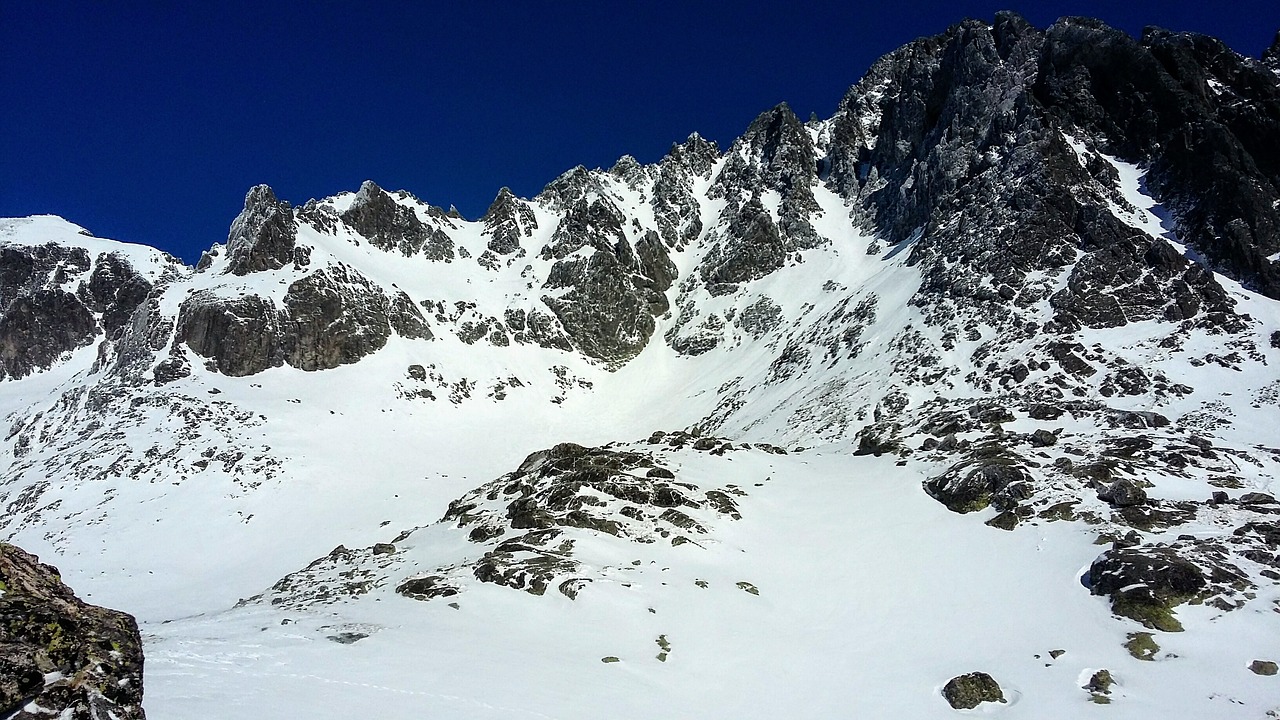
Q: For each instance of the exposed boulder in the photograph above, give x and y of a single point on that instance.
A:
(1146, 583)
(1263, 667)
(1123, 493)
(61, 657)
(972, 485)
(965, 692)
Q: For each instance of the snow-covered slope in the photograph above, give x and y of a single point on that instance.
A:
(969, 374)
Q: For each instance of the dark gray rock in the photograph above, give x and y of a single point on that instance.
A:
(759, 318)
(406, 319)
(1123, 493)
(507, 222)
(40, 320)
(388, 225)
(426, 588)
(965, 692)
(1256, 498)
(333, 317)
(1043, 438)
(241, 336)
(972, 485)
(262, 237)
(775, 153)
(1146, 583)
(957, 134)
(114, 290)
(36, 329)
(752, 249)
(676, 211)
(603, 314)
(1263, 667)
(654, 263)
(45, 629)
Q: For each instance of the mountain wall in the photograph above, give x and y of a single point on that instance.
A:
(1033, 275)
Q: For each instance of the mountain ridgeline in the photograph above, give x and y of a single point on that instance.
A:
(954, 143)
(1038, 268)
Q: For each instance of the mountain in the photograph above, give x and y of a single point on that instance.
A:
(962, 396)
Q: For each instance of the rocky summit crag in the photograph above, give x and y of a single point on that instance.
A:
(1027, 278)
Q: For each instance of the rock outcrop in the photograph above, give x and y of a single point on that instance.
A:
(392, 226)
(604, 291)
(931, 141)
(263, 236)
(56, 298)
(508, 221)
(965, 692)
(61, 657)
(332, 316)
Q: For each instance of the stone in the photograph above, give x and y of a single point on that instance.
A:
(965, 692)
(45, 630)
(262, 237)
(1263, 667)
(1043, 438)
(36, 329)
(508, 221)
(1100, 682)
(426, 588)
(968, 486)
(1146, 583)
(388, 225)
(1123, 493)
(240, 335)
(332, 317)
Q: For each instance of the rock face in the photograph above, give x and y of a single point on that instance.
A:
(61, 657)
(507, 222)
(239, 335)
(331, 317)
(604, 291)
(335, 316)
(392, 226)
(262, 237)
(928, 141)
(55, 299)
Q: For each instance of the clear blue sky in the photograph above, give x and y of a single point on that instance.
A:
(148, 121)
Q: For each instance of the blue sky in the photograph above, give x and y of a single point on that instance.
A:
(148, 122)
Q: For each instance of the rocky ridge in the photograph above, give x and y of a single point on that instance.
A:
(1044, 287)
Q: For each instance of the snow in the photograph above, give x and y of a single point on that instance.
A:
(44, 229)
(850, 617)
(871, 594)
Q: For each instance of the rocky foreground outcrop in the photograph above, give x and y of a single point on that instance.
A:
(59, 656)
